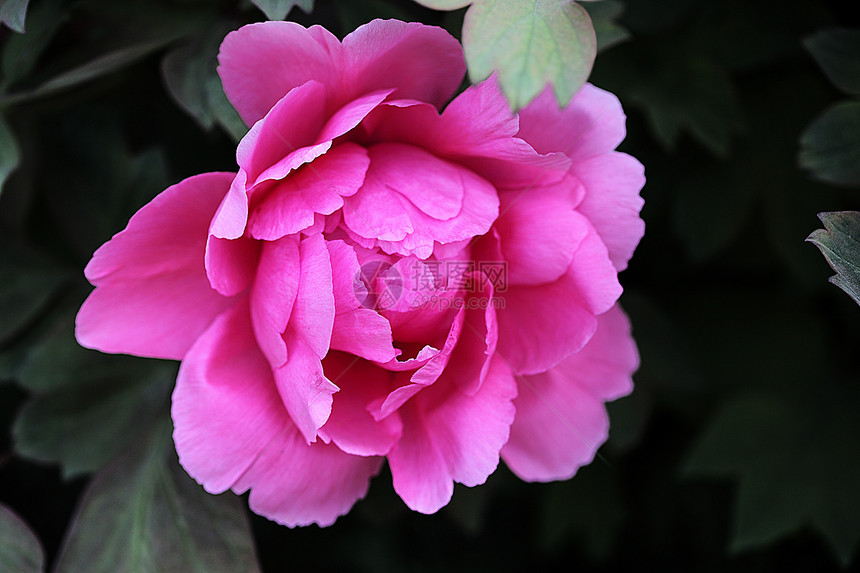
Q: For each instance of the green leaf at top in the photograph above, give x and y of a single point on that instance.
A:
(278, 9)
(839, 242)
(13, 13)
(143, 513)
(830, 146)
(20, 551)
(444, 4)
(10, 155)
(531, 43)
(837, 51)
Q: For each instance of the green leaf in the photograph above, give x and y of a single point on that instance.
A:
(830, 146)
(797, 464)
(531, 43)
(20, 551)
(142, 513)
(585, 510)
(20, 53)
(603, 15)
(714, 202)
(444, 4)
(694, 95)
(191, 77)
(13, 13)
(837, 51)
(87, 406)
(95, 68)
(10, 154)
(278, 9)
(839, 242)
(27, 285)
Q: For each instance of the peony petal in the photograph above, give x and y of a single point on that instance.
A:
(260, 63)
(539, 231)
(318, 187)
(152, 297)
(395, 209)
(561, 418)
(591, 124)
(358, 330)
(304, 389)
(470, 361)
(422, 62)
(232, 214)
(273, 296)
(225, 405)
(612, 202)
(293, 123)
(351, 426)
(449, 436)
(294, 483)
(541, 325)
(231, 263)
(306, 392)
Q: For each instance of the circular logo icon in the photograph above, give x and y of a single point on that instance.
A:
(377, 285)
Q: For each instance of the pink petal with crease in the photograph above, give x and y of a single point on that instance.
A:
(561, 418)
(541, 325)
(449, 436)
(152, 297)
(225, 406)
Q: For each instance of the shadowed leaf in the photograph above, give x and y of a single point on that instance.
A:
(142, 513)
(839, 242)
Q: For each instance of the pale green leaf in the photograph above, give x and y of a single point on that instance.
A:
(839, 242)
(20, 551)
(278, 9)
(444, 4)
(142, 513)
(10, 154)
(830, 146)
(13, 13)
(531, 43)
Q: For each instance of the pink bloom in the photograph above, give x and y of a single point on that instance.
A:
(381, 280)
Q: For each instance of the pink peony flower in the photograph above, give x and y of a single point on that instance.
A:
(381, 281)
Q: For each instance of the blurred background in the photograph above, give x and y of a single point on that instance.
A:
(739, 449)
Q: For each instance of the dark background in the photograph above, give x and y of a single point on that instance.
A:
(740, 447)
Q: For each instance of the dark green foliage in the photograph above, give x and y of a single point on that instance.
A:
(738, 450)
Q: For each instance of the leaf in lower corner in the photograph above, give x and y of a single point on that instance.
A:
(20, 550)
(278, 9)
(839, 242)
(796, 463)
(86, 406)
(143, 513)
(531, 43)
(830, 146)
(13, 13)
